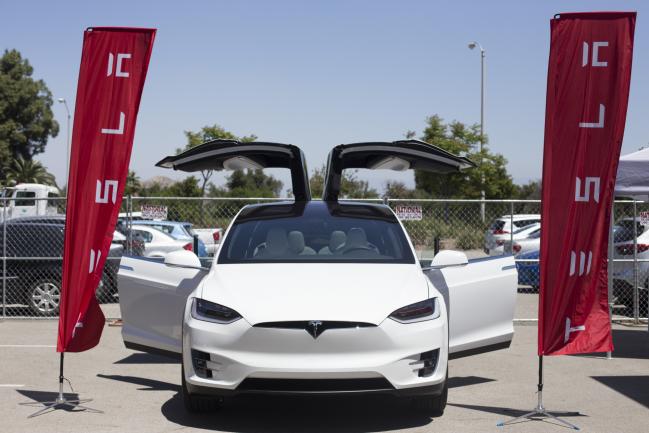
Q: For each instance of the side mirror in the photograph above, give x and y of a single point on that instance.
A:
(183, 259)
(449, 258)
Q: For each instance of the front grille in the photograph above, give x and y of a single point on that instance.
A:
(315, 385)
(314, 327)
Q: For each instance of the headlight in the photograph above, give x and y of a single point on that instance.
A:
(213, 312)
(418, 312)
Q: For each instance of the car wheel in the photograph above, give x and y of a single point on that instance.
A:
(198, 403)
(45, 296)
(433, 405)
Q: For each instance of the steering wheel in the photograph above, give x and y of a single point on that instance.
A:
(357, 249)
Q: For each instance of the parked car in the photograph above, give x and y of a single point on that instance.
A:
(528, 272)
(500, 229)
(178, 231)
(34, 264)
(158, 243)
(211, 238)
(505, 247)
(623, 272)
(287, 308)
(29, 199)
(526, 244)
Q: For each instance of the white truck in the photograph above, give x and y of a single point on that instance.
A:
(30, 199)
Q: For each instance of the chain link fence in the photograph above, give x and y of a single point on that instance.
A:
(32, 233)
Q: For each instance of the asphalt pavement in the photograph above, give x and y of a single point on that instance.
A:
(140, 393)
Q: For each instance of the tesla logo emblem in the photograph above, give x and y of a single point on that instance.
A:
(570, 330)
(314, 327)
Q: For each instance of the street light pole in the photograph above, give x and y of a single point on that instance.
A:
(67, 158)
(473, 45)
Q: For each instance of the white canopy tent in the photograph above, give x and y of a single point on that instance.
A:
(633, 175)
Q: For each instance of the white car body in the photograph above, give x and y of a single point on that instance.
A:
(501, 228)
(156, 242)
(317, 322)
(624, 270)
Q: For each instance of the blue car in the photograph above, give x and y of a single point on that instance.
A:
(528, 272)
(177, 230)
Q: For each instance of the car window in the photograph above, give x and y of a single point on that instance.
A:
(23, 198)
(142, 235)
(521, 229)
(317, 237)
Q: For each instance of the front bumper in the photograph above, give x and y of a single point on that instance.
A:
(378, 359)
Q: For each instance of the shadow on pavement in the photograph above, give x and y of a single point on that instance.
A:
(456, 382)
(38, 397)
(147, 384)
(505, 411)
(633, 387)
(301, 414)
(631, 343)
(146, 358)
(250, 413)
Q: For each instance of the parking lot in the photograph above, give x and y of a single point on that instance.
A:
(140, 392)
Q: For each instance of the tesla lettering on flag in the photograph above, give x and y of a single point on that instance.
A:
(114, 63)
(588, 88)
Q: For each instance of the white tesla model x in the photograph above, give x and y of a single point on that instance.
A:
(317, 296)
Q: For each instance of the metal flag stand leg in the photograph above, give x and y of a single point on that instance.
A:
(60, 402)
(539, 411)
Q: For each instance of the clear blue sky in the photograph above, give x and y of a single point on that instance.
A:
(317, 74)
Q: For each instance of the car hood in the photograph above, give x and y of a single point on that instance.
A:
(309, 291)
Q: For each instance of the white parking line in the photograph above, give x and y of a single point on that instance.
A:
(27, 345)
(10, 385)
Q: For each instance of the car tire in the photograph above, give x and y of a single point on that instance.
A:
(198, 403)
(45, 296)
(433, 405)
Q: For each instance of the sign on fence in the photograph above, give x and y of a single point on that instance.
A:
(153, 212)
(408, 213)
(644, 217)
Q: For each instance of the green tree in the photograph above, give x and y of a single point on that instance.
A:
(209, 133)
(133, 185)
(529, 191)
(23, 170)
(248, 183)
(350, 186)
(459, 138)
(26, 118)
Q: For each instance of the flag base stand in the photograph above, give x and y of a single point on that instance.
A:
(61, 402)
(539, 411)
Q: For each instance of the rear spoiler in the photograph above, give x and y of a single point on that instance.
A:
(397, 155)
(233, 155)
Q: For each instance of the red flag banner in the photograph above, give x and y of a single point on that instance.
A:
(114, 63)
(588, 88)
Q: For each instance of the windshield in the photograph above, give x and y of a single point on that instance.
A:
(316, 232)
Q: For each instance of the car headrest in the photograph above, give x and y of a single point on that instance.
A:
(356, 237)
(338, 237)
(296, 242)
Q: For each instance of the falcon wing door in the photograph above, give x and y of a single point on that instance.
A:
(398, 155)
(235, 155)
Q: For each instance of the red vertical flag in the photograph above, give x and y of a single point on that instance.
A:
(114, 63)
(588, 88)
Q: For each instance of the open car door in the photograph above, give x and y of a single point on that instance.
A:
(152, 298)
(480, 295)
(398, 155)
(235, 155)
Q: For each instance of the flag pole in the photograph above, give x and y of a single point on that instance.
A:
(539, 411)
(61, 402)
